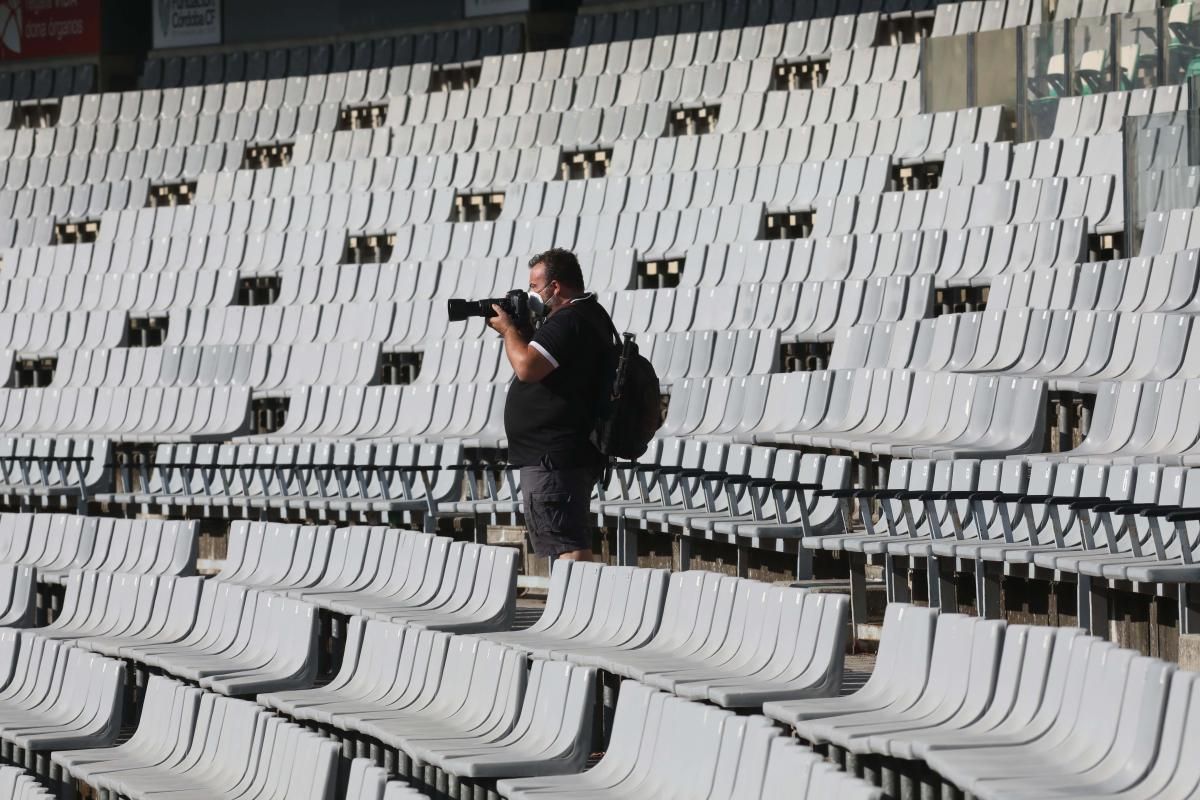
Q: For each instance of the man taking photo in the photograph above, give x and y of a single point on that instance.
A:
(553, 402)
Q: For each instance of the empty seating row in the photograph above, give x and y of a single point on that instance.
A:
(66, 168)
(18, 595)
(661, 743)
(448, 46)
(46, 82)
(48, 332)
(1074, 350)
(755, 131)
(352, 164)
(873, 65)
(712, 353)
(131, 414)
(142, 294)
(953, 257)
(265, 369)
(885, 412)
(989, 516)
(20, 786)
(781, 188)
(1097, 199)
(375, 211)
(957, 257)
(170, 253)
(733, 642)
(1143, 419)
(1165, 283)
(470, 412)
(140, 138)
(752, 19)
(1040, 158)
(916, 137)
(343, 481)
(57, 544)
(190, 742)
(715, 83)
(803, 311)
(360, 85)
(1162, 190)
(226, 638)
(1105, 113)
(468, 708)
(379, 573)
(404, 577)
(685, 155)
(1008, 711)
(389, 324)
(59, 472)
(651, 233)
(1168, 232)
(367, 782)
(56, 697)
(976, 16)
(464, 361)
(764, 496)
(79, 201)
(421, 282)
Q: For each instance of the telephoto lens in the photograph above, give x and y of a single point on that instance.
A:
(459, 310)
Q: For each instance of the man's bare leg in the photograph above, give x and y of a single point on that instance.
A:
(576, 555)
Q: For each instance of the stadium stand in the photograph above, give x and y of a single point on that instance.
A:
(928, 391)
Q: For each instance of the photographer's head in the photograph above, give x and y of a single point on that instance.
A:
(555, 279)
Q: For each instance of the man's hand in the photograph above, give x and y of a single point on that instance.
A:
(502, 323)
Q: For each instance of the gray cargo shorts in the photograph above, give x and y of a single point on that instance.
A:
(556, 508)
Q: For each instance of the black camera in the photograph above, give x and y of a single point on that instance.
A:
(515, 304)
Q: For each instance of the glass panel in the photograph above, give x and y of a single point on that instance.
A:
(1093, 67)
(1138, 50)
(944, 73)
(1181, 27)
(1046, 78)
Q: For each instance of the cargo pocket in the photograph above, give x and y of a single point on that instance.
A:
(548, 513)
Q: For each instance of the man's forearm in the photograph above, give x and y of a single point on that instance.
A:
(528, 364)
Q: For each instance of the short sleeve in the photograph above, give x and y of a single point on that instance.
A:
(554, 339)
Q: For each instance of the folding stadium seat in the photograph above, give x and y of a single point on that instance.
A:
(646, 756)
(144, 547)
(367, 782)
(20, 786)
(256, 752)
(242, 642)
(479, 688)
(18, 590)
(1142, 684)
(57, 474)
(60, 697)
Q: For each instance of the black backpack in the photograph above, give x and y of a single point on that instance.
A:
(631, 411)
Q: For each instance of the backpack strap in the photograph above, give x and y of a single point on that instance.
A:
(612, 327)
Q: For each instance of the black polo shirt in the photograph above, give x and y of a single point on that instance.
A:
(549, 422)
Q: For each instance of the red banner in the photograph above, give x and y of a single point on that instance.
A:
(32, 29)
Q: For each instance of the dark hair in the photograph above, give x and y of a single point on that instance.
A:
(562, 266)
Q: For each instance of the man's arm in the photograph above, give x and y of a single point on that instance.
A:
(528, 363)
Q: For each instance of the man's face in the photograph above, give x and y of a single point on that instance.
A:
(547, 290)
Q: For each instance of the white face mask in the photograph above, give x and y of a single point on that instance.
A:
(538, 307)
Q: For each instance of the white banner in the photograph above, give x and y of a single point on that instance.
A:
(186, 23)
